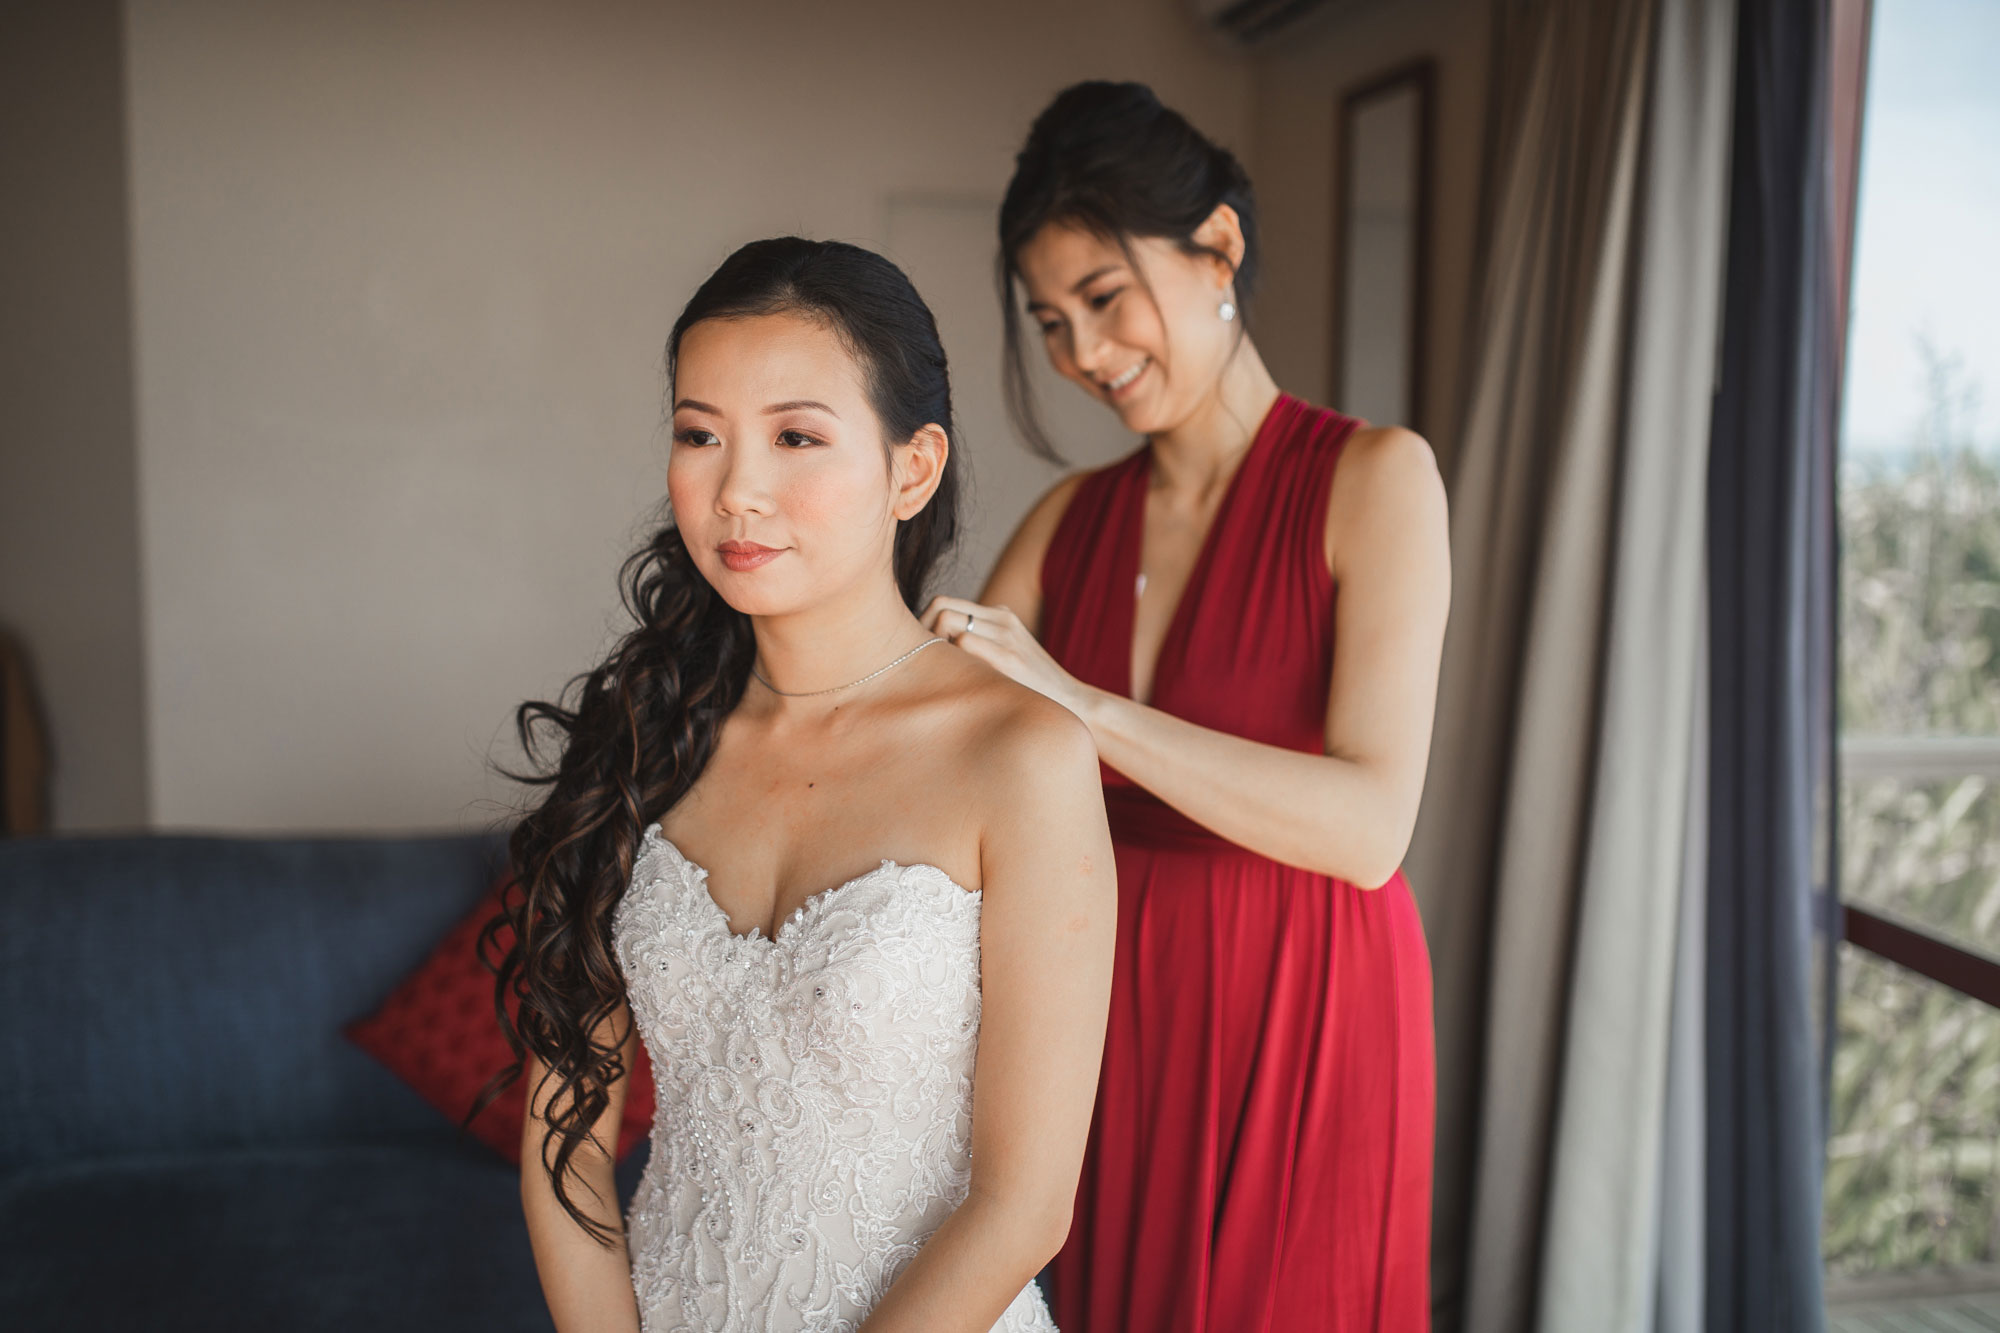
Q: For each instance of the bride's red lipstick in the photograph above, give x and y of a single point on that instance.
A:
(747, 555)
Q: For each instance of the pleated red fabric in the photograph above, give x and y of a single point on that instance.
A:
(1260, 1158)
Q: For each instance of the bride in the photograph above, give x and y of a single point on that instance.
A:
(816, 858)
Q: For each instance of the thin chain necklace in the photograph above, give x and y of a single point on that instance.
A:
(799, 694)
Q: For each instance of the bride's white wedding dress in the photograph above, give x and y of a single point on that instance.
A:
(814, 1088)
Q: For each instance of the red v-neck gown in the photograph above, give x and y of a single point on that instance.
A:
(1260, 1157)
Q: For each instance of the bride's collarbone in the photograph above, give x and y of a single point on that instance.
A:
(777, 874)
(775, 829)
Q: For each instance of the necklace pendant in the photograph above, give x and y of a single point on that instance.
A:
(1140, 589)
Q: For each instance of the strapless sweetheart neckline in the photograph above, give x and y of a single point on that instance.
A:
(813, 904)
(813, 1089)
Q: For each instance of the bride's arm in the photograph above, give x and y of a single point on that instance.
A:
(1049, 901)
(588, 1285)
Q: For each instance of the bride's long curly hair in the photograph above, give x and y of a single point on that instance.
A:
(632, 734)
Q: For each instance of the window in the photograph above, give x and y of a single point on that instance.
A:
(1913, 1169)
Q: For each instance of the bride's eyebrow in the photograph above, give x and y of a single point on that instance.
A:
(791, 405)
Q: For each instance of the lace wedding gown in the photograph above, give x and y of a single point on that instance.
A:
(814, 1093)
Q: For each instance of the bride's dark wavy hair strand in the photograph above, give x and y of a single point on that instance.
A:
(630, 736)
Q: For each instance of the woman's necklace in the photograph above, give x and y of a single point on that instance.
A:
(799, 694)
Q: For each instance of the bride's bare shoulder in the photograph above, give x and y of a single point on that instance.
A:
(1034, 730)
(1024, 745)
(1000, 716)
(1044, 838)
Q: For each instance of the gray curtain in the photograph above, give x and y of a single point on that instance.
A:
(1771, 525)
(1559, 855)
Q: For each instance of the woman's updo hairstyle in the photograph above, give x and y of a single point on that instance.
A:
(634, 732)
(1111, 159)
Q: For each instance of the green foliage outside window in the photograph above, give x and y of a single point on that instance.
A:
(1913, 1173)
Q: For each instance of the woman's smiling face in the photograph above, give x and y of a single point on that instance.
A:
(1152, 357)
(776, 446)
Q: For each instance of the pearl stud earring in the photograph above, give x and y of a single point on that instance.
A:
(1227, 310)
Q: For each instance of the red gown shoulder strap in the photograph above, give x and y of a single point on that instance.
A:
(1077, 566)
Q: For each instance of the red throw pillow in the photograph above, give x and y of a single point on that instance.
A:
(437, 1033)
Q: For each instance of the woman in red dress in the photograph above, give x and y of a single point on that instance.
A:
(1248, 610)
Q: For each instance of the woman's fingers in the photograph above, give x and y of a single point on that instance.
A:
(931, 613)
(953, 616)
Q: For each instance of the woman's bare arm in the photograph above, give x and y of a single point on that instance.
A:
(1049, 903)
(588, 1286)
(1016, 580)
(1348, 812)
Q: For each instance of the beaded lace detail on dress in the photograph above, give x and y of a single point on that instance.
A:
(814, 1095)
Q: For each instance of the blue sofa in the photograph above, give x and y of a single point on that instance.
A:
(188, 1142)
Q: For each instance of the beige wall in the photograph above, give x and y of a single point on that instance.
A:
(69, 538)
(1298, 91)
(401, 274)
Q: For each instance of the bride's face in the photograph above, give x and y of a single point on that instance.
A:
(776, 446)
